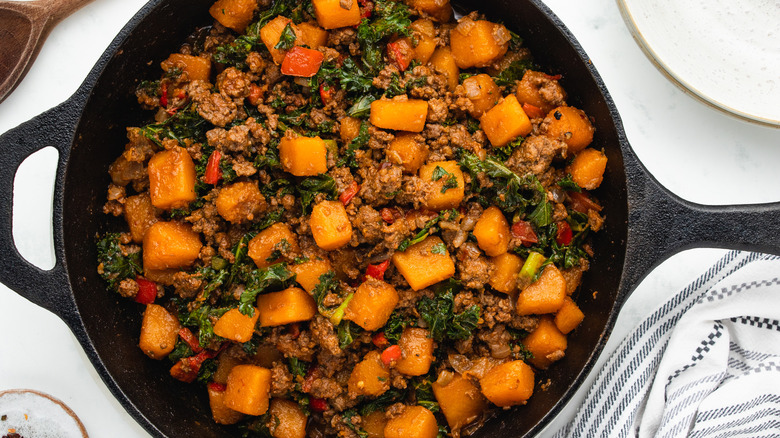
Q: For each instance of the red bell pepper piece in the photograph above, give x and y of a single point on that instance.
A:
(312, 374)
(164, 94)
(533, 112)
(564, 234)
(186, 335)
(580, 201)
(349, 193)
(213, 171)
(147, 291)
(294, 330)
(216, 386)
(255, 94)
(401, 52)
(302, 62)
(377, 271)
(186, 369)
(525, 232)
(553, 77)
(326, 93)
(391, 355)
(318, 404)
(380, 340)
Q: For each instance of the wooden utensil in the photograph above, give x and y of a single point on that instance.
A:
(24, 26)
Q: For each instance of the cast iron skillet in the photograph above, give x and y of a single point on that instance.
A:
(88, 131)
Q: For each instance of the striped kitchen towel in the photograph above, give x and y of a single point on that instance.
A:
(704, 364)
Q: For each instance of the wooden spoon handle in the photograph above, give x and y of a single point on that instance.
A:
(59, 9)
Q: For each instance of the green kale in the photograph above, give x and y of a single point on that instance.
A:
(568, 184)
(207, 370)
(423, 392)
(286, 39)
(381, 403)
(359, 142)
(276, 276)
(115, 263)
(439, 248)
(309, 187)
(327, 284)
(450, 181)
(395, 326)
(202, 318)
(184, 124)
(347, 332)
(269, 219)
(346, 418)
(297, 367)
(388, 18)
(181, 350)
(438, 314)
(428, 229)
(514, 72)
(234, 53)
(362, 107)
(503, 153)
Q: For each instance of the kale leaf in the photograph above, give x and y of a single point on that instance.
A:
(309, 187)
(259, 280)
(115, 263)
(438, 314)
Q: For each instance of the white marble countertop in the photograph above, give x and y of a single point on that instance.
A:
(697, 152)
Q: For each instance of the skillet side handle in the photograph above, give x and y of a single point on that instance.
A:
(662, 224)
(48, 289)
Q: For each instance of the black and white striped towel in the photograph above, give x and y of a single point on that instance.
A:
(705, 364)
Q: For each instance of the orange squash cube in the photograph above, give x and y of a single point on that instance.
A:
(569, 316)
(374, 424)
(460, 401)
(478, 43)
(234, 14)
(271, 33)
(140, 214)
(407, 149)
(311, 35)
(240, 202)
(286, 419)
(330, 225)
(445, 192)
(372, 304)
(546, 343)
(483, 93)
(508, 384)
(369, 377)
(443, 62)
(219, 412)
(349, 128)
(529, 90)
(587, 168)
(308, 273)
(571, 125)
(248, 389)
(196, 67)
(284, 307)
(492, 232)
(414, 422)
(545, 295)
(439, 10)
(416, 352)
(505, 121)
(171, 179)
(159, 332)
(425, 263)
(504, 278)
(399, 113)
(170, 245)
(330, 14)
(303, 156)
(424, 34)
(236, 326)
(278, 238)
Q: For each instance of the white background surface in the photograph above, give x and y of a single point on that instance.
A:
(695, 151)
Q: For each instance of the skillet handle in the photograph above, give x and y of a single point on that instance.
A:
(48, 289)
(662, 224)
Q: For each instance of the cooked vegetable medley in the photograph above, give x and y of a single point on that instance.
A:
(354, 218)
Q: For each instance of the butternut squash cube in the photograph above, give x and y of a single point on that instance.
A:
(374, 424)
(505, 121)
(330, 14)
(460, 401)
(504, 278)
(170, 245)
(414, 422)
(546, 343)
(416, 352)
(311, 35)
(424, 34)
(140, 214)
(271, 33)
(171, 178)
(529, 90)
(248, 389)
(569, 316)
(409, 150)
(265, 248)
(307, 274)
(545, 295)
(425, 263)
(303, 156)
(286, 419)
(483, 93)
(349, 128)
(240, 202)
(492, 232)
(587, 168)
(236, 326)
(159, 332)
(448, 185)
(478, 43)
(372, 304)
(196, 67)
(219, 412)
(508, 384)
(443, 62)
(571, 125)
(330, 225)
(234, 14)
(284, 307)
(369, 377)
(439, 10)
(399, 113)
